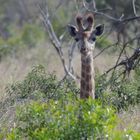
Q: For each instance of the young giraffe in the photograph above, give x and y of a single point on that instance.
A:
(85, 38)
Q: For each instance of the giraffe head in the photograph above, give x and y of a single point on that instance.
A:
(85, 35)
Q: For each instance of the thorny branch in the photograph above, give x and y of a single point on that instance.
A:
(129, 63)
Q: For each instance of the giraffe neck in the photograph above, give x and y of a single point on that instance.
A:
(87, 88)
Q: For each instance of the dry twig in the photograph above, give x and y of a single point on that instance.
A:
(54, 39)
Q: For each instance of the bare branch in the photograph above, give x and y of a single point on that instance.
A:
(98, 12)
(115, 44)
(134, 7)
(71, 51)
(94, 5)
(129, 63)
(55, 41)
(130, 19)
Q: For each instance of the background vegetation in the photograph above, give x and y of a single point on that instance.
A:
(37, 103)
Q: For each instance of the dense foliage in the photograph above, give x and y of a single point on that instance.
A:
(27, 37)
(119, 92)
(50, 109)
(64, 120)
(53, 111)
(71, 119)
(39, 85)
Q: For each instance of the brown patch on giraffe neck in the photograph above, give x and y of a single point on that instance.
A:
(87, 59)
(87, 77)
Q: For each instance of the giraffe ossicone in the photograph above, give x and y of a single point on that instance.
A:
(85, 36)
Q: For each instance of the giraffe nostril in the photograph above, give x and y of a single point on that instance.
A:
(83, 49)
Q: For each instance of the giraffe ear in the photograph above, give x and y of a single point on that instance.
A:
(72, 30)
(99, 29)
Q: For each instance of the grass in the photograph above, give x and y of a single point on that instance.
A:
(130, 119)
(14, 68)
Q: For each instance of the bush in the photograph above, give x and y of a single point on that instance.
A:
(38, 84)
(68, 120)
(27, 37)
(54, 111)
(31, 35)
(72, 120)
(120, 93)
(103, 43)
(10, 46)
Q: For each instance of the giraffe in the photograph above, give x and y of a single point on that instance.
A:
(85, 36)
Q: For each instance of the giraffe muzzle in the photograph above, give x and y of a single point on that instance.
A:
(83, 50)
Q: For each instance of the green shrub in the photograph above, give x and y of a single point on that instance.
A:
(56, 112)
(38, 84)
(65, 120)
(119, 93)
(31, 35)
(103, 43)
(10, 46)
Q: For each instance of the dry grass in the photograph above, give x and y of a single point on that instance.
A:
(14, 68)
(130, 119)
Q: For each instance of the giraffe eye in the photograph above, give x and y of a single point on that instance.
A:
(94, 38)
